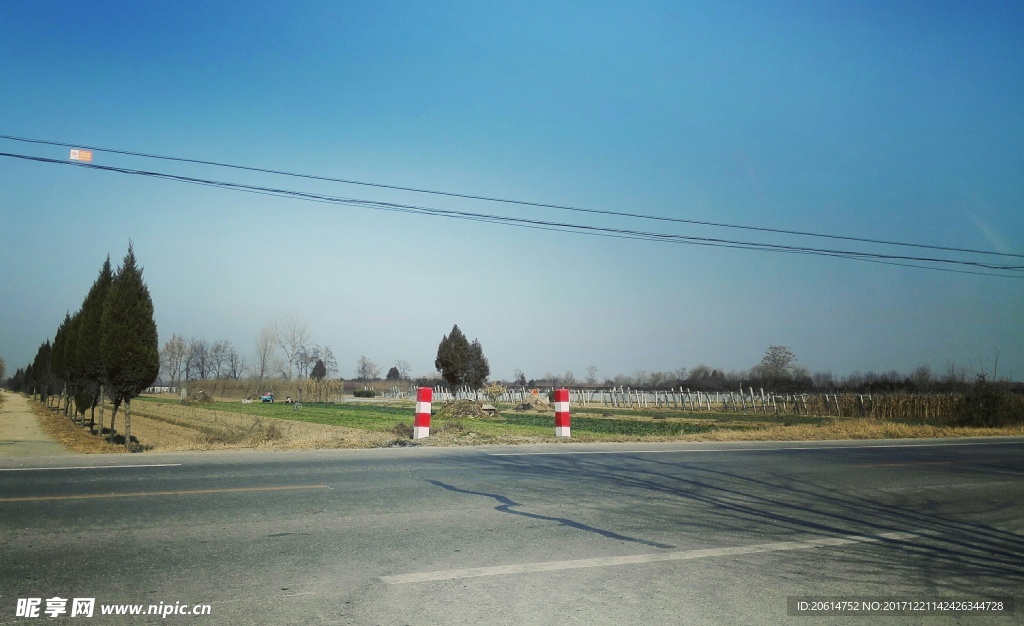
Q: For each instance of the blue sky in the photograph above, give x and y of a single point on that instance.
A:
(886, 120)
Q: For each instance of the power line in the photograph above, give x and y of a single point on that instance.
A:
(509, 201)
(549, 225)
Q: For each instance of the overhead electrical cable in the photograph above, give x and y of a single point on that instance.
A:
(546, 224)
(506, 200)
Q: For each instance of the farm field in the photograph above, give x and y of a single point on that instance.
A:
(164, 424)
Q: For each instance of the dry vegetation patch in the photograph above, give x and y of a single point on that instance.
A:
(69, 434)
(208, 424)
(462, 409)
(200, 427)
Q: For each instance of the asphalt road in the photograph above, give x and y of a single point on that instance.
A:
(595, 534)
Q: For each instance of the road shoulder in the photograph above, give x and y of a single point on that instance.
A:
(21, 434)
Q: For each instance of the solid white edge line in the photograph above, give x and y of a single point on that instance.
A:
(548, 566)
(863, 447)
(40, 469)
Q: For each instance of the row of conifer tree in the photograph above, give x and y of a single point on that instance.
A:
(107, 350)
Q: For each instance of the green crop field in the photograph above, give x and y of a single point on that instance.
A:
(382, 417)
(376, 417)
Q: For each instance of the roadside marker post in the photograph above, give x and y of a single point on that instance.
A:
(562, 413)
(421, 425)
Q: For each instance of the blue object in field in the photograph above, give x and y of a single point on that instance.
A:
(267, 397)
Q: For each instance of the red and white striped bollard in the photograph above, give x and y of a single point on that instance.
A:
(562, 413)
(421, 425)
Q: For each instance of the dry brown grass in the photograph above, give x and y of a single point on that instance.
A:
(461, 409)
(177, 427)
(172, 427)
(168, 427)
(307, 389)
(71, 435)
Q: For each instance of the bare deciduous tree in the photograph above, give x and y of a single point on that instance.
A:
(954, 375)
(591, 374)
(303, 361)
(657, 379)
(263, 361)
(219, 358)
(293, 337)
(518, 377)
(699, 372)
(173, 358)
(404, 369)
(777, 363)
(640, 377)
(197, 360)
(824, 380)
(235, 365)
(366, 369)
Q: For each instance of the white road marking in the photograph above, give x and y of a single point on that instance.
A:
(549, 566)
(860, 447)
(41, 469)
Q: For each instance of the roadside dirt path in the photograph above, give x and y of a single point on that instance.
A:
(20, 432)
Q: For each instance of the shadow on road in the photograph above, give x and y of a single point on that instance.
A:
(957, 541)
(506, 506)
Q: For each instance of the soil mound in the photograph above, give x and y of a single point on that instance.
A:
(200, 397)
(533, 403)
(462, 409)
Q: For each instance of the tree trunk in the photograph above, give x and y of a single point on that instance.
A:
(128, 425)
(103, 395)
(113, 418)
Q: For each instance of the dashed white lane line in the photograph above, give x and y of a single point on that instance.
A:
(549, 566)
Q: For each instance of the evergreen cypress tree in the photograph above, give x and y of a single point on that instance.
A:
(29, 381)
(460, 362)
(71, 363)
(65, 357)
(42, 371)
(478, 368)
(60, 368)
(319, 371)
(452, 354)
(90, 334)
(129, 346)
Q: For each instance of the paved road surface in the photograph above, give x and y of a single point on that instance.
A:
(601, 534)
